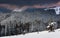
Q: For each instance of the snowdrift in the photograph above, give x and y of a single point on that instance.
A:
(43, 34)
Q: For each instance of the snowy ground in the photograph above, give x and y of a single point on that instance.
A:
(44, 34)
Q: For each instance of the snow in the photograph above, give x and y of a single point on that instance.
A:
(57, 10)
(43, 34)
(18, 10)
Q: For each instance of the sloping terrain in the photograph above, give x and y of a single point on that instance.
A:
(43, 34)
(37, 21)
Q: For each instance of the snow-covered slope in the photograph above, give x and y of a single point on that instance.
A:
(44, 34)
(24, 16)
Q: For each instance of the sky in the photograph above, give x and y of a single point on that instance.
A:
(28, 2)
(34, 3)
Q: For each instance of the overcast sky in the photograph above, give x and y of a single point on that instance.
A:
(12, 4)
(28, 2)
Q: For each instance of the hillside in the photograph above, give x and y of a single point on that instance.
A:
(31, 20)
(43, 34)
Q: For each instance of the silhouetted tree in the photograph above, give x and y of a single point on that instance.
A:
(26, 26)
(0, 29)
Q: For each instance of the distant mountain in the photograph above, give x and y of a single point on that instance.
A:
(4, 10)
(34, 9)
(31, 14)
(50, 11)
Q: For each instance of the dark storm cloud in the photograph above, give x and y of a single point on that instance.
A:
(28, 2)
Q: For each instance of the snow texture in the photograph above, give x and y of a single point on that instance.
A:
(43, 34)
